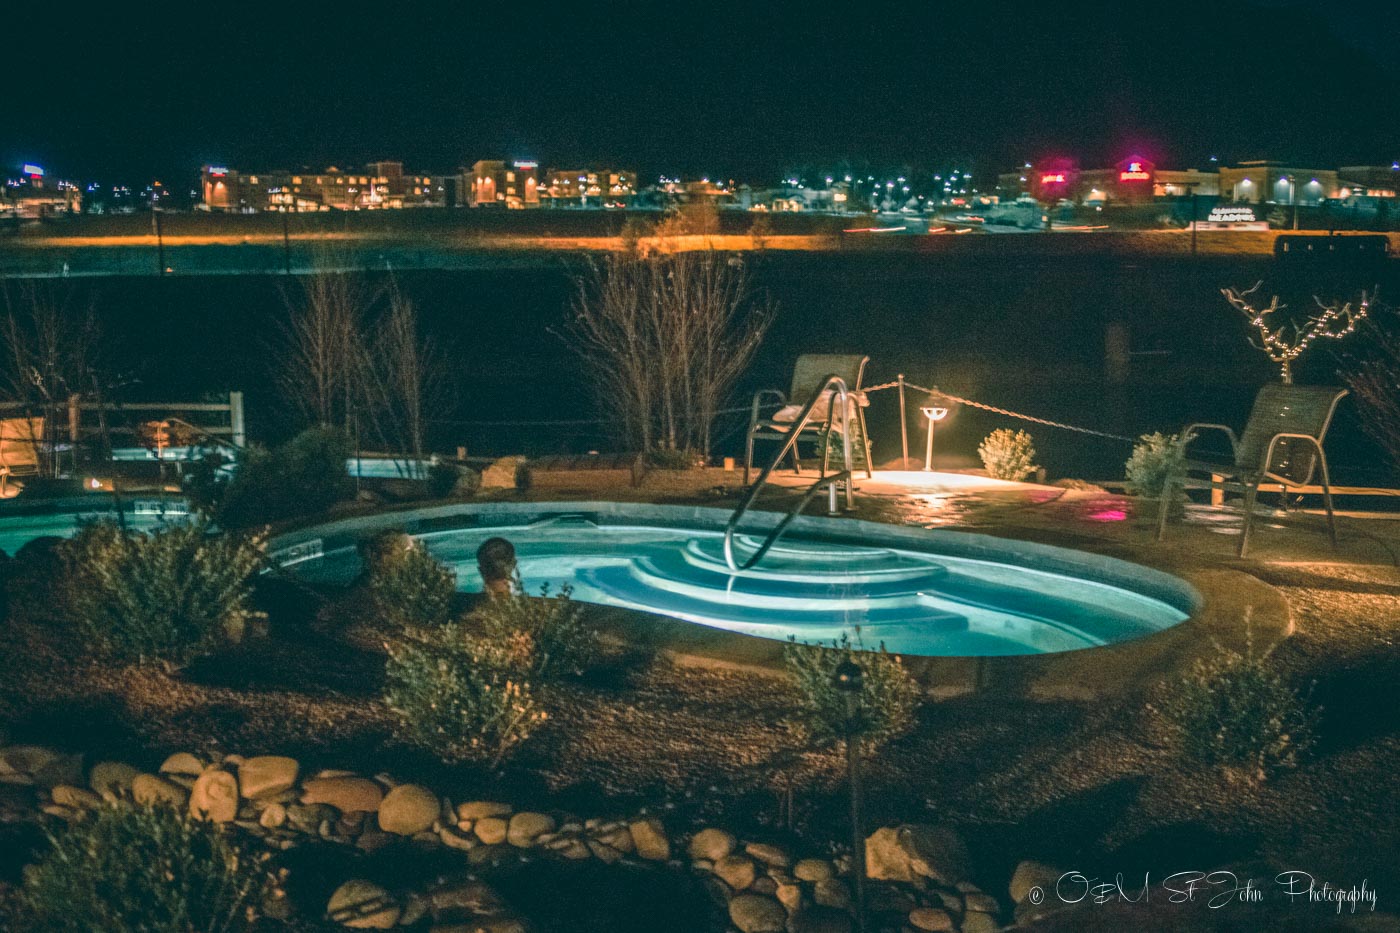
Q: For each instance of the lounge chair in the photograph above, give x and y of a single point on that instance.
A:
(809, 373)
(19, 449)
(1281, 444)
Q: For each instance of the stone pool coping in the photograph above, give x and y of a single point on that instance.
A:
(1218, 601)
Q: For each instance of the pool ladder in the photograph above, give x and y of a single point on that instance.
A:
(830, 481)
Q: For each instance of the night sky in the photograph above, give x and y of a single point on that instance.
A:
(746, 91)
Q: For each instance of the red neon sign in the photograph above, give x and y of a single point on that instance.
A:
(1134, 172)
(1053, 178)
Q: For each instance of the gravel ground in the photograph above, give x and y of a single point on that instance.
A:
(1098, 788)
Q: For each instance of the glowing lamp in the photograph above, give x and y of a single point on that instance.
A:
(934, 414)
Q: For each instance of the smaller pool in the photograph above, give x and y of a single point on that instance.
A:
(918, 592)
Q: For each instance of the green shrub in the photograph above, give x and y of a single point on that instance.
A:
(1156, 458)
(170, 594)
(1008, 454)
(543, 637)
(305, 476)
(836, 455)
(410, 586)
(887, 702)
(448, 479)
(152, 869)
(452, 696)
(1235, 710)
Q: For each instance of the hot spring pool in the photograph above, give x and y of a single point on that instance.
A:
(918, 592)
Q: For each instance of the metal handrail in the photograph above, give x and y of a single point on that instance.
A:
(843, 400)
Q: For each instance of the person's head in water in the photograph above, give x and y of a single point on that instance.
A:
(496, 561)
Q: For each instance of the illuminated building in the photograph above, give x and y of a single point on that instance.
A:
(33, 195)
(590, 187)
(1369, 181)
(381, 185)
(492, 183)
(1266, 182)
(1134, 180)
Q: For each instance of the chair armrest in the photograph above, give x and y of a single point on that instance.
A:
(758, 402)
(1273, 442)
(1192, 431)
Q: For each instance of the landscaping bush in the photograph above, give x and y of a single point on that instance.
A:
(1155, 458)
(453, 696)
(888, 700)
(305, 476)
(447, 479)
(170, 594)
(544, 637)
(1234, 709)
(410, 586)
(834, 446)
(1008, 454)
(129, 867)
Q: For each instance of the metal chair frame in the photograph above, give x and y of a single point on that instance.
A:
(811, 368)
(1272, 408)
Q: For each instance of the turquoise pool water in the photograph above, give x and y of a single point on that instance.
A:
(951, 595)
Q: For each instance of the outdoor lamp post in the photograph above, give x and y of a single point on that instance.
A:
(934, 414)
(848, 679)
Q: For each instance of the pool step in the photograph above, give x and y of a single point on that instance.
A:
(803, 562)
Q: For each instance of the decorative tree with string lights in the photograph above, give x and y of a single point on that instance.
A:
(1334, 321)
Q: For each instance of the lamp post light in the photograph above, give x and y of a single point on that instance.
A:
(933, 413)
(849, 679)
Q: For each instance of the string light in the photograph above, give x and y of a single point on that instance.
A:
(1335, 322)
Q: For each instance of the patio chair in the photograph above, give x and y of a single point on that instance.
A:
(807, 375)
(19, 449)
(1281, 444)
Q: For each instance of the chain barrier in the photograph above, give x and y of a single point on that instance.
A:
(1002, 411)
(868, 389)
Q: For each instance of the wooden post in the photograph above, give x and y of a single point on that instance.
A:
(1217, 495)
(75, 418)
(235, 416)
(903, 424)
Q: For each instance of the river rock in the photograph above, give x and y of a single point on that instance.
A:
(346, 794)
(1031, 874)
(273, 816)
(480, 809)
(832, 893)
(650, 839)
(79, 798)
(820, 920)
(39, 766)
(931, 920)
(737, 871)
(526, 827)
(491, 830)
(148, 789)
(907, 852)
(713, 844)
(363, 905)
(813, 869)
(983, 903)
(503, 473)
(214, 797)
(267, 775)
(408, 809)
(790, 896)
(755, 913)
(770, 855)
(112, 777)
(182, 763)
(975, 921)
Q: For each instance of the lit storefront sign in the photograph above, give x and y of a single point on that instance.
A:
(33, 171)
(1052, 178)
(1134, 172)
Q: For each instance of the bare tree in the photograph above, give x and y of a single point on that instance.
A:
(51, 350)
(321, 363)
(664, 339)
(1335, 321)
(405, 378)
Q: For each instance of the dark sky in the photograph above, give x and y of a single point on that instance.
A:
(744, 90)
